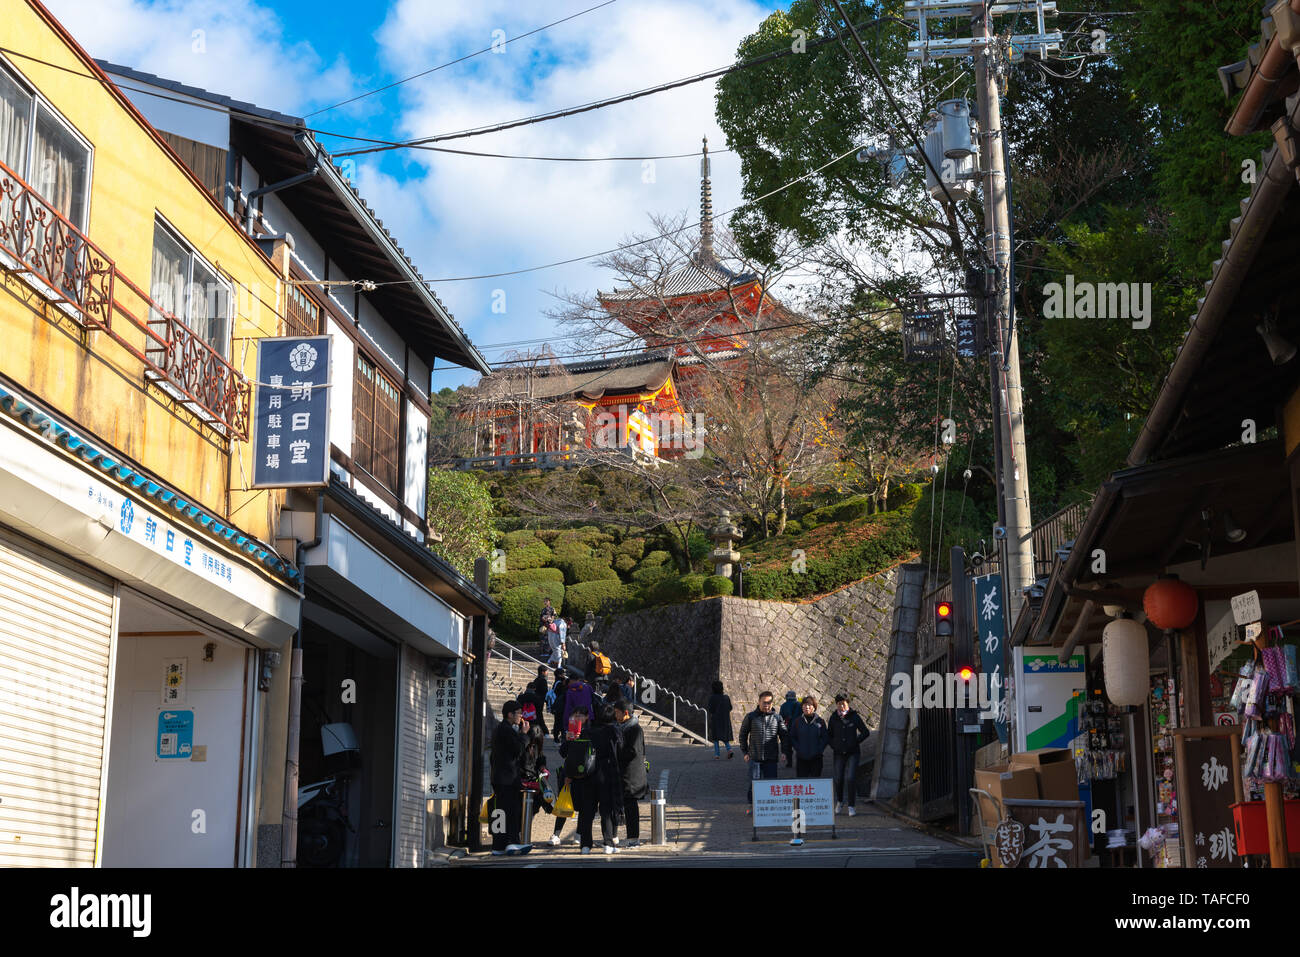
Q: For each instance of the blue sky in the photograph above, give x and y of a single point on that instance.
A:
(461, 216)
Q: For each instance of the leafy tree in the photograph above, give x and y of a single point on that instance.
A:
(459, 508)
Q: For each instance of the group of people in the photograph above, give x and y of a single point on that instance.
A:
(603, 768)
(799, 733)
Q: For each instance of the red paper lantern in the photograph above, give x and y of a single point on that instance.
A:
(1170, 603)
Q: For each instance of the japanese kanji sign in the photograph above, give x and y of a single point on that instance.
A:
(1209, 779)
(990, 620)
(1053, 832)
(291, 412)
(442, 749)
(773, 802)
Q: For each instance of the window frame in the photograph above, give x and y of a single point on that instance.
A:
(193, 256)
(38, 100)
(364, 451)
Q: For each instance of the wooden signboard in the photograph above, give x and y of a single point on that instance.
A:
(1054, 832)
(1208, 764)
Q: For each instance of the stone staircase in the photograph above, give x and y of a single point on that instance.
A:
(502, 686)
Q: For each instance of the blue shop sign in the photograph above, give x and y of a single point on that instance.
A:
(175, 734)
(990, 622)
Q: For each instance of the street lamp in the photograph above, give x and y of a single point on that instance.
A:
(741, 573)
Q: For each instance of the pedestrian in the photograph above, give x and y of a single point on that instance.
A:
(577, 694)
(606, 740)
(847, 732)
(539, 684)
(809, 738)
(789, 711)
(632, 767)
(532, 707)
(507, 784)
(598, 668)
(556, 638)
(580, 773)
(629, 692)
(548, 613)
(719, 708)
(763, 736)
(614, 694)
(556, 700)
(533, 773)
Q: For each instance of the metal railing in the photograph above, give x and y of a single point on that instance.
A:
(43, 244)
(512, 653)
(643, 683)
(61, 263)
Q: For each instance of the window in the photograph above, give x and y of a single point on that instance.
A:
(301, 314)
(39, 146)
(183, 284)
(376, 424)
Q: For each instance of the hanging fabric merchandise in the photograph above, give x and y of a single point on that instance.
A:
(1242, 688)
(1256, 697)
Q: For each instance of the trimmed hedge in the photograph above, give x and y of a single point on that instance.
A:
(633, 548)
(656, 558)
(582, 570)
(903, 495)
(826, 574)
(569, 551)
(519, 539)
(592, 597)
(792, 527)
(521, 608)
(678, 589)
(855, 507)
(652, 575)
(525, 576)
(534, 555)
(718, 585)
(623, 564)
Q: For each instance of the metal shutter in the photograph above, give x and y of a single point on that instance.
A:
(56, 629)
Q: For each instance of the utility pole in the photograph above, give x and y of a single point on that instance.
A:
(1008, 396)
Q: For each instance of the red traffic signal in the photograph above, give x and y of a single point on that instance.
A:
(943, 619)
(966, 673)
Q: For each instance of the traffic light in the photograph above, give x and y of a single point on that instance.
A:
(943, 619)
(966, 673)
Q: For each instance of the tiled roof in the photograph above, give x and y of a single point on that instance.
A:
(710, 276)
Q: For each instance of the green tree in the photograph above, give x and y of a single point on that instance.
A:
(459, 508)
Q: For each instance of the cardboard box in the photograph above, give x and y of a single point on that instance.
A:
(1006, 782)
(1054, 769)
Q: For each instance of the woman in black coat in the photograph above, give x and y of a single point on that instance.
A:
(631, 760)
(606, 739)
(719, 706)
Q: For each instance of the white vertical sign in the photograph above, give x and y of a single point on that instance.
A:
(442, 751)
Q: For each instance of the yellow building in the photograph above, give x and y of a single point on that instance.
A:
(144, 605)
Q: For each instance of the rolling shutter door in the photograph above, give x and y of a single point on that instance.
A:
(56, 628)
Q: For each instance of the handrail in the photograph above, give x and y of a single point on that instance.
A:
(673, 721)
(658, 688)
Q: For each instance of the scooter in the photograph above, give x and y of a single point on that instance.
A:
(323, 823)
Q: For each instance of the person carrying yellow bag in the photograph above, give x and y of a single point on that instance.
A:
(563, 806)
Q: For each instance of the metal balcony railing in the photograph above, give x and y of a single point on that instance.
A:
(61, 263)
(65, 266)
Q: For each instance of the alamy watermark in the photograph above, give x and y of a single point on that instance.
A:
(947, 691)
(1098, 300)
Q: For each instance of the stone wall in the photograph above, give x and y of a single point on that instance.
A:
(839, 642)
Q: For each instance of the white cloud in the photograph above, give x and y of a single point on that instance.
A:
(236, 47)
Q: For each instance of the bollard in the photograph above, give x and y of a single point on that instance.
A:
(526, 822)
(796, 836)
(658, 817)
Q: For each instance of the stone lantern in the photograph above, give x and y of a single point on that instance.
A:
(724, 556)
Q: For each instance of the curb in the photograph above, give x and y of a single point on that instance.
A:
(967, 842)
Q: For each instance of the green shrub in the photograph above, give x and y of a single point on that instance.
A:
(718, 585)
(855, 507)
(525, 536)
(656, 558)
(525, 576)
(792, 527)
(624, 563)
(548, 535)
(676, 589)
(633, 548)
(580, 570)
(598, 597)
(533, 555)
(652, 575)
(909, 493)
(521, 608)
(826, 574)
(698, 545)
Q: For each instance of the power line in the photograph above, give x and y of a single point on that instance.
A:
(554, 159)
(468, 56)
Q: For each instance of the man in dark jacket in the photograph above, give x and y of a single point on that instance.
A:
(789, 711)
(539, 684)
(631, 759)
(560, 690)
(808, 738)
(507, 804)
(763, 736)
(847, 732)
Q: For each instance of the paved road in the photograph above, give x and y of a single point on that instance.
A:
(707, 827)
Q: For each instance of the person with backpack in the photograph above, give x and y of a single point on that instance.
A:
(599, 668)
(763, 736)
(719, 707)
(507, 783)
(808, 739)
(632, 770)
(789, 711)
(555, 703)
(580, 773)
(577, 694)
(847, 732)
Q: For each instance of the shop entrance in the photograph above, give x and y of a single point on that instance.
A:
(180, 755)
(347, 744)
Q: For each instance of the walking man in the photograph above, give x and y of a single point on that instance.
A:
(507, 785)
(847, 732)
(763, 736)
(631, 759)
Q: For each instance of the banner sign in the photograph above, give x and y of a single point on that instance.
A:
(291, 412)
(990, 620)
(442, 754)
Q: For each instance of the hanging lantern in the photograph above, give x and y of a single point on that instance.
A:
(1126, 662)
(1170, 603)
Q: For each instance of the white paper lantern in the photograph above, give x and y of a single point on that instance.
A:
(1126, 661)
